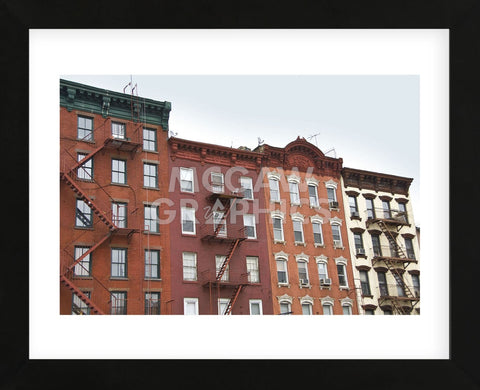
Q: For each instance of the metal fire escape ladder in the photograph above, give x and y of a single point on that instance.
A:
(222, 269)
(75, 290)
(233, 299)
(226, 212)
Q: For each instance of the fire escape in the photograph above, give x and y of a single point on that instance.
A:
(396, 261)
(69, 176)
(225, 202)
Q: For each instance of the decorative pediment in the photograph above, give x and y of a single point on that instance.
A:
(335, 220)
(302, 257)
(281, 254)
(331, 183)
(341, 260)
(297, 216)
(327, 300)
(321, 259)
(306, 299)
(285, 297)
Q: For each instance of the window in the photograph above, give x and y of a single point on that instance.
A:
(382, 284)
(387, 312)
(249, 223)
(317, 233)
(337, 236)
(400, 285)
(307, 309)
(119, 214)
(402, 208)
(312, 194)
(189, 266)
(393, 248)
(119, 171)
(217, 182)
(322, 270)
(152, 264)
(298, 231)
(85, 128)
(370, 209)
(387, 214)
(294, 193)
(219, 220)
(255, 307)
(150, 175)
(219, 260)
(377, 250)
(152, 303)
(370, 312)
(277, 229)
(365, 283)
(151, 218)
(119, 263)
(416, 285)
(347, 310)
(332, 197)
(342, 275)
(223, 305)
(83, 267)
(253, 270)
(78, 306)
(118, 130)
(149, 140)
(327, 309)
(85, 171)
(246, 184)
(285, 308)
(190, 306)
(409, 248)
(357, 237)
(186, 179)
(188, 220)
(352, 201)
(83, 214)
(282, 271)
(302, 272)
(118, 302)
(274, 190)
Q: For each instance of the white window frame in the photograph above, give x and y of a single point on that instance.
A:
(344, 268)
(330, 309)
(184, 212)
(281, 229)
(320, 226)
(191, 180)
(337, 226)
(147, 175)
(316, 204)
(298, 222)
(285, 262)
(217, 188)
(85, 171)
(187, 301)
(119, 126)
(249, 181)
(305, 264)
(323, 264)
(147, 141)
(222, 304)
(294, 195)
(310, 308)
(193, 257)
(217, 217)
(245, 224)
(255, 301)
(219, 259)
(253, 271)
(119, 173)
(347, 306)
(274, 190)
(119, 214)
(289, 306)
(149, 222)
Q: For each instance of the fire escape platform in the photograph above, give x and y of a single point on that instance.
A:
(394, 259)
(220, 239)
(125, 231)
(387, 221)
(220, 195)
(122, 145)
(222, 283)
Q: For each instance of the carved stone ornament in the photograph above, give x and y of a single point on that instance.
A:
(300, 161)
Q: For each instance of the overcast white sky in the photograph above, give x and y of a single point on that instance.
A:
(372, 122)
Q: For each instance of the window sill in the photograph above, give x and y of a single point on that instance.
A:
(85, 180)
(86, 141)
(253, 239)
(367, 296)
(151, 188)
(309, 286)
(276, 201)
(118, 278)
(361, 256)
(299, 243)
(119, 184)
(151, 233)
(357, 218)
(153, 279)
(84, 228)
(284, 285)
(279, 242)
(150, 151)
(295, 205)
(80, 277)
(190, 281)
(319, 245)
(346, 288)
(187, 192)
(315, 207)
(338, 247)
(193, 235)
(333, 209)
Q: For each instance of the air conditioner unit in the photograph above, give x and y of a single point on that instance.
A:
(355, 214)
(337, 244)
(333, 205)
(325, 282)
(360, 251)
(304, 282)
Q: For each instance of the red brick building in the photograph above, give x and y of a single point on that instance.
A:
(113, 153)
(306, 232)
(219, 256)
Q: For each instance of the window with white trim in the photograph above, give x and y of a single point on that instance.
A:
(337, 235)
(152, 264)
(313, 195)
(223, 305)
(255, 307)
(189, 265)
(118, 302)
(151, 218)
(188, 220)
(332, 196)
(219, 220)
(302, 272)
(190, 306)
(317, 233)
(119, 214)
(249, 224)
(282, 273)
(294, 192)
(342, 275)
(83, 214)
(217, 182)
(149, 140)
(322, 270)
(118, 130)
(219, 260)
(246, 184)
(186, 180)
(119, 263)
(347, 310)
(85, 171)
(119, 171)
(83, 267)
(298, 231)
(327, 309)
(285, 307)
(252, 269)
(274, 190)
(150, 175)
(277, 228)
(307, 309)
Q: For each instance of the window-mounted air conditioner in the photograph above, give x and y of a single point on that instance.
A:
(304, 282)
(337, 244)
(333, 204)
(360, 251)
(355, 214)
(325, 282)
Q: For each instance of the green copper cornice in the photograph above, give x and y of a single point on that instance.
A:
(76, 96)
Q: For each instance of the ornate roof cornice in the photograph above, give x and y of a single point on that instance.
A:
(376, 181)
(76, 96)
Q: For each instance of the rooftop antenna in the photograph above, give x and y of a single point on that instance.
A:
(313, 136)
(331, 150)
(260, 141)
